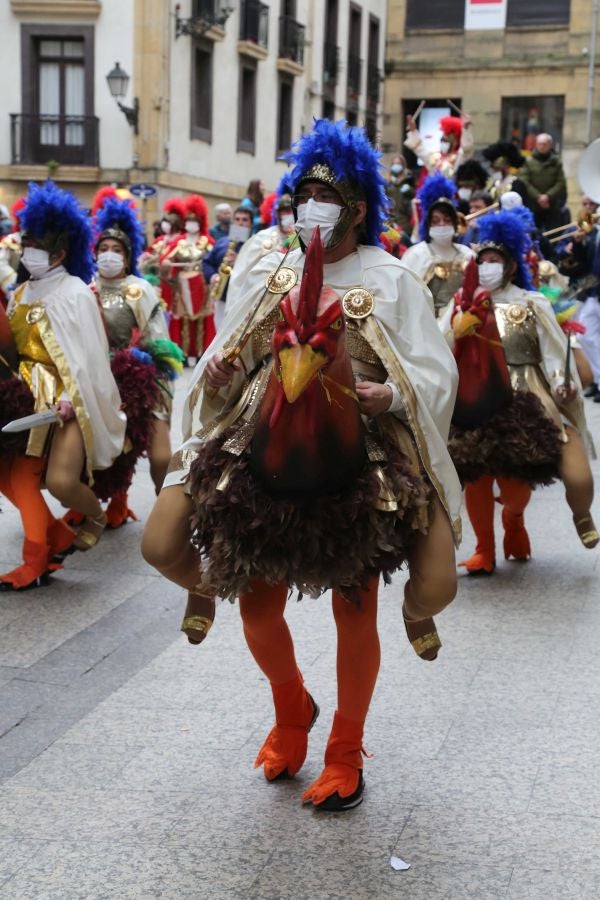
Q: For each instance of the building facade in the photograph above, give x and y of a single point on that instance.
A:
(529, 76)
(218, 89)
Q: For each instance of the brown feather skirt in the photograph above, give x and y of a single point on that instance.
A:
(336, 541)
(518, 442)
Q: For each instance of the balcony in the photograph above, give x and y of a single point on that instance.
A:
(68, 140)
(354, 77)
(291, 46)
(331, 64)
(254, 29)
(373, 86)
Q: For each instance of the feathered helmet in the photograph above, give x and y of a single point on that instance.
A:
(342, 157)
(472, 171)
(196, 208)
(55, 220)
(101, 196)
(266, 209)
(503, 153)
(451, 127)
(436, 192)
(117, 219)
(16, 210)
(174, 211)
(505, 232)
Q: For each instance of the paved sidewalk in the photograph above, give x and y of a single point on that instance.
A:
(126, 754)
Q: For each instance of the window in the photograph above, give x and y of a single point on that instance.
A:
(330, 49)
(247, 105)
(57, 122)
(538, 12)
(525, 117)
(373, 64)
(328, 109)
(427, 123)
(354, 60)
(201, 93)
(436, 13)
(284, 114)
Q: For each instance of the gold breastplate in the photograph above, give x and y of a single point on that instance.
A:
(36, 366)
(517, 327)
(119, 318)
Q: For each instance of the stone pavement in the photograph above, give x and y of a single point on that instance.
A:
(126, 754)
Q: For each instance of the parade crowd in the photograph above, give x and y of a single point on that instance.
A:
(371, 346)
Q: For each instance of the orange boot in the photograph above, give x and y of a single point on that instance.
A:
(59, 538)
(284, 751)
(514, 496)
(117, 511)
(479, 500)
(32, 573)
(340, 785)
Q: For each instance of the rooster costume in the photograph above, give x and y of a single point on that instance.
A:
(513, 421)
(291, 485)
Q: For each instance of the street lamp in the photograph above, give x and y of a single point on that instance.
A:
(118, 79)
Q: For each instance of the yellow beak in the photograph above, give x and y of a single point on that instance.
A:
(299, 365)
(465, 323)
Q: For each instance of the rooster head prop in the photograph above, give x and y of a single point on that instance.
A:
(309, 435)
(484, 381)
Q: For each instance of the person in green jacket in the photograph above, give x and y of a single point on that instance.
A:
(544, 181)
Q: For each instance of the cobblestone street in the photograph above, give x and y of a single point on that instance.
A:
(126, 755)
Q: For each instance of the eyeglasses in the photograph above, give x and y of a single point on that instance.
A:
(325, 195)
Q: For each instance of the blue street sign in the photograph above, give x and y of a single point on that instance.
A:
(143, 190)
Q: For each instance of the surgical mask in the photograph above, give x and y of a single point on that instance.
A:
(239, 233)
(397, 169)
(311, 214)
(37, 262)
(445, 146)
(442, 234)
(165, 227)
(465, 193)
(287, 222)
(491, 275)
(192, 227)
(110, 264)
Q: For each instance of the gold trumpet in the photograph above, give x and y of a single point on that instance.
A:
(585, 222)
(218, 288)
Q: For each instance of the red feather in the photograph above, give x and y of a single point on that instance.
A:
(572, 327)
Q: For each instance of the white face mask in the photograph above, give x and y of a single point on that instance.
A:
(165, 227)
(441, 234)
(491, 275)
(37, 262)
(465, 193)
(110, 264)
(239, 233)
(192, 227)
(311, 214)
(287, 222)
(445, 146)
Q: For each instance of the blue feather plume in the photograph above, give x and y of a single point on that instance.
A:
(141, 356)
(433, 188)
(50, 209)
(506, 228)
(349, 154)
(117, 213)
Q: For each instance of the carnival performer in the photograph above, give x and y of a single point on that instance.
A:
(469, 177)
(63, 355)
(192, 323)
(519, 416)
(10, 252)
(328, 429)
(438, 259)
(505, 161)
(218, 264)
(456, 145)
(171, 228)
(144, 360)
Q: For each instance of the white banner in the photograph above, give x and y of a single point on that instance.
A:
(481, 15)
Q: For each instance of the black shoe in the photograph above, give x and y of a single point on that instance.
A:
(335, 803)
(592, 391)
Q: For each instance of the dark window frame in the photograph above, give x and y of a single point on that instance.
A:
(31, 34)
(434, 15)
(353, 60)
(244, 143)
(201, 132)
(541, 17)
(513, 110)
(285, 81)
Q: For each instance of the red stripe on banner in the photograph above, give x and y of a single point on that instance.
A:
(485, 2)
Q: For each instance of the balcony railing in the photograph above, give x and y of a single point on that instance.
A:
(69, 140)
(331, 65)
(291, 40)
(373, 85)
(206, 14)
(354, 73)
(254, 23)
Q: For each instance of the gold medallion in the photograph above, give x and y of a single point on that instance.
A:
(267, 244)
(442, 271)
(133, 292)
(281, 281)
(358, 303)
(516, 314)
(35, 312)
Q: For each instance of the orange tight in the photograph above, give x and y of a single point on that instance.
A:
(20, 483)
(358, 654)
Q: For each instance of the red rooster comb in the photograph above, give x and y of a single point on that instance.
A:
(312, 282)
(470, 284)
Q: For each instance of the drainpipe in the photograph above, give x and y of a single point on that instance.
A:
(591, 72)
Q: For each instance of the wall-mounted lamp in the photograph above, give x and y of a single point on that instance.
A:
(118, 79)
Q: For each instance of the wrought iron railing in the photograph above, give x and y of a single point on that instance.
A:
(373, 84)
(354, 73)
(40, 139)
(331, 63)
(291, 40)
(254, 22)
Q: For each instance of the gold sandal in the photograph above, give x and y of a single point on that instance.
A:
(199, 617)
(587, 531)
(423, 637)
(88, 537)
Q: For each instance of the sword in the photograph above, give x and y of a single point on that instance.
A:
(49, 417)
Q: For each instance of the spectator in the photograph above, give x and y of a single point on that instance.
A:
(252, 200)
(401, 190)
(478, 201)
(223, 216)
(545, 185)
(470, 176)
(224, 254)
(6, 225)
